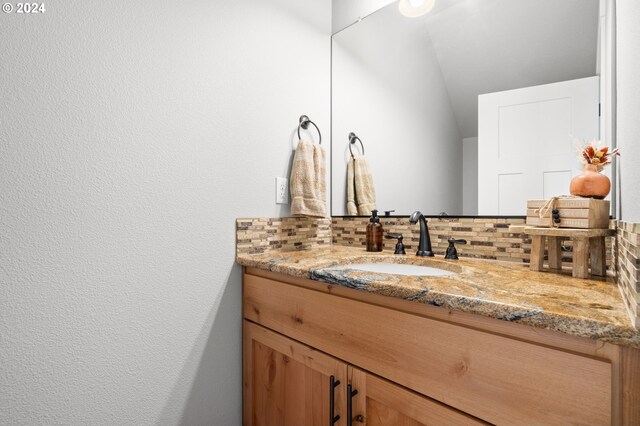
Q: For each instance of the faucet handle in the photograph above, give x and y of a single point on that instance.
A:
(399, 245)
(452, 252)
(454, 241)
(387, 213)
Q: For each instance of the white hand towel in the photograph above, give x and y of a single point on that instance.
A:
(361, 194)
(308, 182)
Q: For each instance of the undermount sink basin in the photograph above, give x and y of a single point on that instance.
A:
(399, 269)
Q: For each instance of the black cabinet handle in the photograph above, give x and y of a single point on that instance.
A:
(350, 394)
(332, 397)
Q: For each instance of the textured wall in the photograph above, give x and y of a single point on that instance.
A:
(132, 134)
(628, 107)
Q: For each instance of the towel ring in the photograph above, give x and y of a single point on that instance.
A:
(352, 140)
(304, 123)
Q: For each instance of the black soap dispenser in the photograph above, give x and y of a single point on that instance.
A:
(374, 232)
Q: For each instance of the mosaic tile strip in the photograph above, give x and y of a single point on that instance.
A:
(258, 235)
(487, 238)
(627, 256)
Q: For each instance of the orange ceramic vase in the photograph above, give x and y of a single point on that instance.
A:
(591, 183)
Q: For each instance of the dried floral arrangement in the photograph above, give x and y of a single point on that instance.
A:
(594, 153)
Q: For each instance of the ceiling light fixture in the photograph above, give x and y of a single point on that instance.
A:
(415, 8)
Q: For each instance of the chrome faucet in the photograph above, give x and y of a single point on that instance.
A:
(424, 247)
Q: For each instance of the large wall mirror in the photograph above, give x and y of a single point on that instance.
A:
(470, 109)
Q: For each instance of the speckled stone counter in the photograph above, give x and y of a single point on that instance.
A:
(502, 290)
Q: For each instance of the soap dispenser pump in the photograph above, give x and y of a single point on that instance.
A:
(374, 232)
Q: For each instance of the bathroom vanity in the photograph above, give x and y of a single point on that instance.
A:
(494, 343)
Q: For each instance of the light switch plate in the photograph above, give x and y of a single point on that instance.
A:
(282, 190)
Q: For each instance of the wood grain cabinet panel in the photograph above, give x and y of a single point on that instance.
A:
(287, 383)
(383, 403)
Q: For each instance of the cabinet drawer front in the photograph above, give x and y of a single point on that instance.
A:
(495, 378)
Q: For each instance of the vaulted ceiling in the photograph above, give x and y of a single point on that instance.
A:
(485, 46)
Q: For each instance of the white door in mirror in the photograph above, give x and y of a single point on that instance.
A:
(526, 142)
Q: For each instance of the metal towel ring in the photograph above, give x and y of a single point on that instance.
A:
(352, 140)
(304, 123)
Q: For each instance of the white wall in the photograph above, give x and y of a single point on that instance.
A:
(470, 176)
(132, 134)
(346, 12)
(628, 106)
(401, 113)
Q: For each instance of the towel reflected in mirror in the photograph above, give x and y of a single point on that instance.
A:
(361, 194)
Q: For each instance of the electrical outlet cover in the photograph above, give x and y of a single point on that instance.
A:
(282, 190)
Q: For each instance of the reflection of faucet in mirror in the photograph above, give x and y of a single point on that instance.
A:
(424, 246)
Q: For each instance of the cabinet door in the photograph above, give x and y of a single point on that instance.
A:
(288, 383)
(379, 402)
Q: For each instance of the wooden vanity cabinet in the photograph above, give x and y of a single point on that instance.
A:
(414, 364)
(288, 383)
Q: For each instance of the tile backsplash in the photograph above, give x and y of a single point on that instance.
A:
(257, 235)
(627, 256)
(487, 238)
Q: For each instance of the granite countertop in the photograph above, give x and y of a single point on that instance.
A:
(504, 290)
